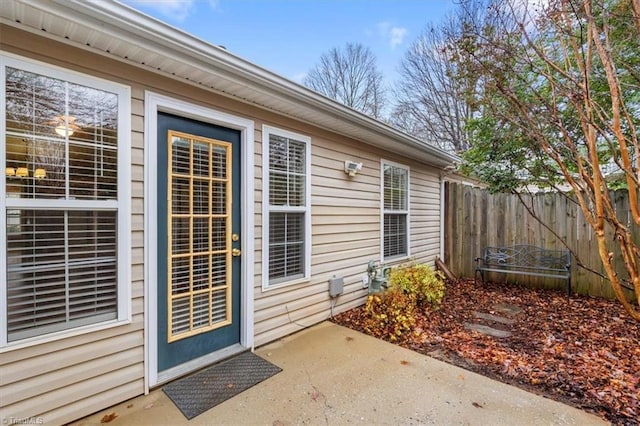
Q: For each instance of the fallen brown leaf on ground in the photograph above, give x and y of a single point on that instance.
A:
(108, 417)
(583, 351)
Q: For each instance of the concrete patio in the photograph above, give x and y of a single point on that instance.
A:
(334, 376)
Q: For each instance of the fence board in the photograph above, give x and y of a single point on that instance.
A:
(475, 219)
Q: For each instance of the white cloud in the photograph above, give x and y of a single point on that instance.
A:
(397, 36)
(176, 10)
(394, 35)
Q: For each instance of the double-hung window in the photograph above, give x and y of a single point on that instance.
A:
(64, 201)
(395, 210)
(286, 211)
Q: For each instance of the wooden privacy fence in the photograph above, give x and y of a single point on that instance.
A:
(474, 218)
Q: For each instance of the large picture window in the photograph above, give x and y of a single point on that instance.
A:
(395, 210)
(287, 207)
(64, 199)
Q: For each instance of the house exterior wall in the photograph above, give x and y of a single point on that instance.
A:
(345, 233)
(68, 378)
(61, 380)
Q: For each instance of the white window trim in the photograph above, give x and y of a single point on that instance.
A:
(123, 204)
(266, 208)
(383, 211)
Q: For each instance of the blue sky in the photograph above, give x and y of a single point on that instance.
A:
(289, 36)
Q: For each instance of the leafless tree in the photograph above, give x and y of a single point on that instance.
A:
(435, 95)
(350, 76)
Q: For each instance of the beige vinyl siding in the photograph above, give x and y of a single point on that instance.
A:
(425, 215)
(73, 377)
(345, 216)
(335, 219)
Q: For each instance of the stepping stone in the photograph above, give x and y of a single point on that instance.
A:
(489, 331)
(494, 318)
(507, 308)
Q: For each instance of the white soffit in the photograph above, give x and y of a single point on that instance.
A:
(118, 31)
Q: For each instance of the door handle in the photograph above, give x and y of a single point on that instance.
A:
(236, 252)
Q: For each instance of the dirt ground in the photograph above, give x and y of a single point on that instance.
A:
(583, 351)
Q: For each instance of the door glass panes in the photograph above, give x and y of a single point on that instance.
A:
(199, 221)
(219, 197)
(201, 235)
(219, 270)
(180, 156)
(201, 159)
(180, 275)
(180, 233)
(219, 162)
(180, 195)
(218, 233)
(202, 197)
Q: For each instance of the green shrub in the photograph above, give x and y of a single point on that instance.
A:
(390, 314)
(422, 283)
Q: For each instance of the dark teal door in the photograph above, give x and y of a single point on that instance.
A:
(198, 239)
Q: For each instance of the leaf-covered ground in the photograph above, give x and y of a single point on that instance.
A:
(583, 351)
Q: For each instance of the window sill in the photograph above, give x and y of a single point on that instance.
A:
(303, 280)
(397, 259)
(65, 334)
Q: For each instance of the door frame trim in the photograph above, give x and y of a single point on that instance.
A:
(154, 103)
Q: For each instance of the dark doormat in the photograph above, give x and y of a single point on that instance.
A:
(205, 389)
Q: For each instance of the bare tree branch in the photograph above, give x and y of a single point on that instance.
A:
(351, 77)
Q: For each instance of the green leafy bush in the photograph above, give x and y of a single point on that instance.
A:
(390, 314)
(412, 289)
(423, 284)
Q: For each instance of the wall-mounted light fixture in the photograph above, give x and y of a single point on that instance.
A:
(10, 171)
(65, 125)
(352, 168)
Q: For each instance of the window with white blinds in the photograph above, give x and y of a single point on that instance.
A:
(64, 200)
(287, 207)
(395, 210)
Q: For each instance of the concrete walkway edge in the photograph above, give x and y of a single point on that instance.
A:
(334, 376)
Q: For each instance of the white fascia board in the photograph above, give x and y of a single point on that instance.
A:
(123, 22)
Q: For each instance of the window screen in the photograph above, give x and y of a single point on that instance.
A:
(395, 211)
(60, 203)
(288, 208)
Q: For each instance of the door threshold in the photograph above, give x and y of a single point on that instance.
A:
(198, 363)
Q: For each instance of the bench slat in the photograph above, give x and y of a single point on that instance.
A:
(526, 259)
(517, 272)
